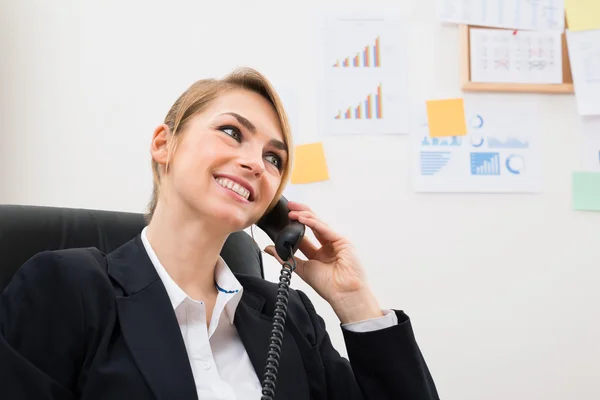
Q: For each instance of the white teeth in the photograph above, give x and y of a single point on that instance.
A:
(229, 184)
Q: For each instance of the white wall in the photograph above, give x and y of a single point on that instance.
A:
(85, 83)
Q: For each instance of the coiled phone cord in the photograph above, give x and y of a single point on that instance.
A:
(276, 340)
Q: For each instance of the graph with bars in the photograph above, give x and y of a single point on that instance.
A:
(369, 57)
(370, 108)
(485, 164)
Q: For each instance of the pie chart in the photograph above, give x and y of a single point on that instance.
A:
(515, 164)
(476, 121)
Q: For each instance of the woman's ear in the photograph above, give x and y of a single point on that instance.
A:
(159, 147)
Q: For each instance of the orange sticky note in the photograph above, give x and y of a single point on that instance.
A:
(446, 117)
(309, 164)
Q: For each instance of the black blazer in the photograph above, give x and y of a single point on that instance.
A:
(79, 324)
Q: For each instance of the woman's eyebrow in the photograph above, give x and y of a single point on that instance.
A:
(278, 144)
(242, 120)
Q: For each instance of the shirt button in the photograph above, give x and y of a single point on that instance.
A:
(206, 366)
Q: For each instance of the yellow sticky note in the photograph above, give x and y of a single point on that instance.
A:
(309, 164)
(582, 14)
(446, 117)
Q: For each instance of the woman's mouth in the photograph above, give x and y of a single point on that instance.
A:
(234, 187)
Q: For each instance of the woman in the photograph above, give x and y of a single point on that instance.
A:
(163, 317)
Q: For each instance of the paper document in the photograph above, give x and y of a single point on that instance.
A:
(586, 191)
(516, 57)
(583, 14)
(362, 72)
(500, 153)
(584, 55)
(542, 15)
(590, 145)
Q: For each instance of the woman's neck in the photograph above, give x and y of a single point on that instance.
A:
(188, 249)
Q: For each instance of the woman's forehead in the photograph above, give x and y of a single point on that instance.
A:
(251, 107)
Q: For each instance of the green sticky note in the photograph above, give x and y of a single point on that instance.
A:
(586, 191)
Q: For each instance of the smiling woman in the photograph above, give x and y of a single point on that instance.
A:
(163, 316)
(238, 90)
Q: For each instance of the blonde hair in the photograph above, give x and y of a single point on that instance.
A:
(199, 96)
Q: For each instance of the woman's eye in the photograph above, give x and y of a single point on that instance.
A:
(275, 160)
(232, 131)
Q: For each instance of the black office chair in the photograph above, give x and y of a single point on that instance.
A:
(27, 230)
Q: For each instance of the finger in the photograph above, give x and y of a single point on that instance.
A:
(322, 232)
(308, 248)
(295, 206)
(270, 250)
(303, 213)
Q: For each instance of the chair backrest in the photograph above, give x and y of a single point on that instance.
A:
(27, 230)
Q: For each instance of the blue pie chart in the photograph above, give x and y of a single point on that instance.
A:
(477, 121)
(515, 164)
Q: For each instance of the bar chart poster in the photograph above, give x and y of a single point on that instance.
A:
(499, 154)
(362, 88)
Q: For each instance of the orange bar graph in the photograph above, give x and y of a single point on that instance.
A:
(359, 111)
(379, 103)
(366, 59)
(377, 53)
(364, 109)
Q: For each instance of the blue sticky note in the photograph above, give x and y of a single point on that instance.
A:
(586, 191)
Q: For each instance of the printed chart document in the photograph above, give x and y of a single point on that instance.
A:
(590, 148)
(362, 75)
(541, 15)
(515, 57)
(500, 153)
(584, 55)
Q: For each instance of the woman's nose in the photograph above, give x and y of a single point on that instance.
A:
(254, 164)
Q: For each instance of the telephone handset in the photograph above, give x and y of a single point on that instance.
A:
(283, 231)
(286, 235)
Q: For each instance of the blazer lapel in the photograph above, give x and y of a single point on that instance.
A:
(149, 324)
(254, 325)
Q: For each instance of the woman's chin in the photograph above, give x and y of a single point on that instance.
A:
(231, 221)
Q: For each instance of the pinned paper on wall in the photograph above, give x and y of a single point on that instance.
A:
(584, 54)
(446, 117)
(505, 56)
(586, 191)
(499, 154)
(582, 14)
(310, 164)
(590, 145)
(538, 15)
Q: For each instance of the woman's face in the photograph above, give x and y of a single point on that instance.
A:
(229, 161)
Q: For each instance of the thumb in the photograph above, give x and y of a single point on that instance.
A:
(272, 252)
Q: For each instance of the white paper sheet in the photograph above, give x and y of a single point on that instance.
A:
(500, 153)
(590, 149)
(362, 72)
(512, 14)
(515, 57)
(584, 56)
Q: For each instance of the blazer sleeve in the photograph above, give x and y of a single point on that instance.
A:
(382, 364)
(41, 327)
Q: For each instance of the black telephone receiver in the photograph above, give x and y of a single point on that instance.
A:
(286, 235)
